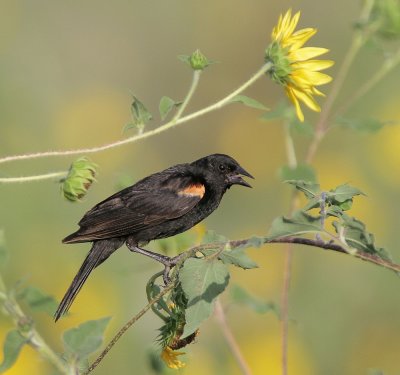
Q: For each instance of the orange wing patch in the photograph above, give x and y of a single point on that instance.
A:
(195, 190)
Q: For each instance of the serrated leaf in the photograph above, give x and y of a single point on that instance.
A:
(12, 346)
(249, 102)
(300, 223)
(238, 258)
(86, 338)
(202, 281)
(302, 172)
(242, 296)
(310, 189)
(38, 300)
(165, 106)
(368, 125)
(3, 250)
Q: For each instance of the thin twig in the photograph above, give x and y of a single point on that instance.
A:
(230, 339)
(127, 326)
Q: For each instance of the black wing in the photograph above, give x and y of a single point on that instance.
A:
(136, 208)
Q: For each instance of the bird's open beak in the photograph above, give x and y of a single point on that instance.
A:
(236, 178)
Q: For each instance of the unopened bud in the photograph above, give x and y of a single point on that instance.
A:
(80, 177)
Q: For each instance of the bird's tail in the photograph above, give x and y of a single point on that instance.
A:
(99, 252)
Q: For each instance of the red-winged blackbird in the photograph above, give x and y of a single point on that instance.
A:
(161, 205)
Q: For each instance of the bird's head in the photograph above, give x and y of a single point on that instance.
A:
(223, 169)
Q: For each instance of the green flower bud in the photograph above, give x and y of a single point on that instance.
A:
(197, 61)
(80, 177)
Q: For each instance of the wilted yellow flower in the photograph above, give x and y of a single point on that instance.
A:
(293, 66)
(170, 357)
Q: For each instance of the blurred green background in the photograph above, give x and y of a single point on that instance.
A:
(67, 73)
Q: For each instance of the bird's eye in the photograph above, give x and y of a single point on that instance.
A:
(222, 168)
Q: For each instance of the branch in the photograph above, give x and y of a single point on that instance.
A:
(174, 122)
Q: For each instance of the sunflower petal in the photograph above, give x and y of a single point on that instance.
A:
(307, 99)
(292, 97)
(313, 65)
(306, 53)
(313, 78)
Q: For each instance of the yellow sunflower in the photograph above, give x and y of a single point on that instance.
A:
(170, 357)
(293, 66)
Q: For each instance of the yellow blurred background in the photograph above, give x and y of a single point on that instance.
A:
(67, 73)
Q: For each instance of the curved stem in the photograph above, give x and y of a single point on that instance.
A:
(150, 133)
(46, 176)
(192, 89)
(127, 326)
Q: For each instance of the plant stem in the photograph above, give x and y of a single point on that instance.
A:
(192, 89)
(359, 39)
(292, 161)
(127, 326)
(230, 339)
(386, 68)
(174, 122)
(285, 307)
(35, 340)
(46, 176)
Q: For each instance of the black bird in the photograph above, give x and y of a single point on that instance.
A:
(161, 205)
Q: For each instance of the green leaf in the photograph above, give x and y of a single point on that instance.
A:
(301, 223)
(310, 189)
(3, 250)
(302, 172)
(185, 59)
(343, 193)
(238, 258)
(165, 106)
(281, 111)
(212, 236)
(38, 300)
(368, 125)
(249, 102)
(358, 237)
(86, 338)
(202, 281)
(12, 346)
(140, 115)
(255, 241)
(242, 296)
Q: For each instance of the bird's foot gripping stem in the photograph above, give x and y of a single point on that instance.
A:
(167, 261)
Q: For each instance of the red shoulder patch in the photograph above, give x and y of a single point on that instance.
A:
(194, 190)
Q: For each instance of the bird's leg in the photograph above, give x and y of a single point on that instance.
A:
(167, 261)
